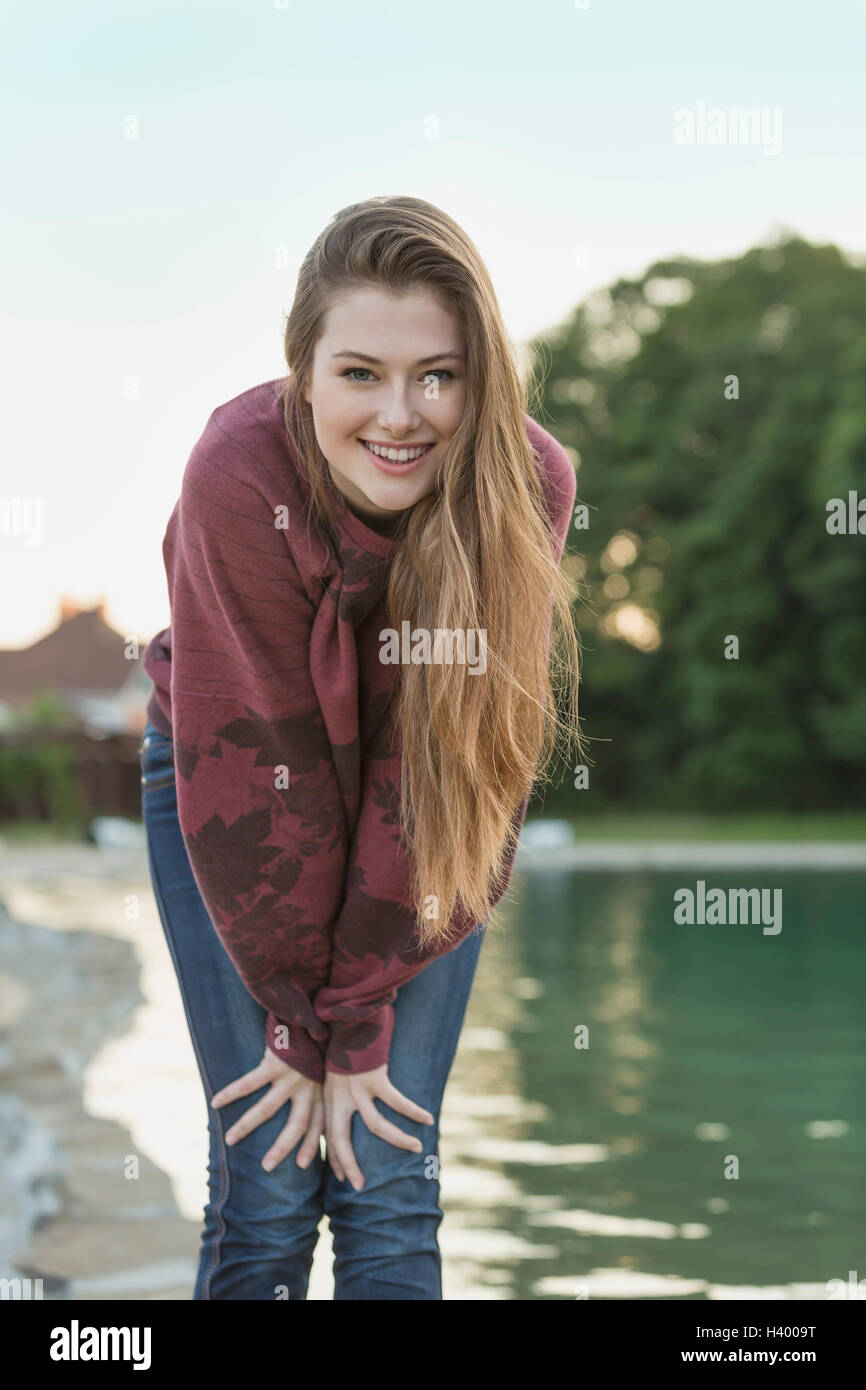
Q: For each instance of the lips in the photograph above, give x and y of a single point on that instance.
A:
(387, 466)
(412, 445)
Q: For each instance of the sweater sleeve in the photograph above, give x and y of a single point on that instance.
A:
(373, 950)
(258, 798)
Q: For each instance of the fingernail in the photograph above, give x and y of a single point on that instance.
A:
(267, 1164)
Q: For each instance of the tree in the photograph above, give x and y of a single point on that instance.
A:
(713, 411)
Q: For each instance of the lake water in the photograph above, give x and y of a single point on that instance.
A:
(708, 1142)
(712, 1049)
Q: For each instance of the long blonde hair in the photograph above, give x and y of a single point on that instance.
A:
(476, 554)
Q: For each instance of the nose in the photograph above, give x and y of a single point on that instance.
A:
(396, 416)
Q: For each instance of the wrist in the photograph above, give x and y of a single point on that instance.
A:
(360, 1046)
(294, 1046)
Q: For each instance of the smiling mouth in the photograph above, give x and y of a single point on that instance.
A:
(397, 454)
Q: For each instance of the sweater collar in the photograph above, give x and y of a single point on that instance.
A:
(363, 535)
(356, 530)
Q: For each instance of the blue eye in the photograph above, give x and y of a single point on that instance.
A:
(349, 373)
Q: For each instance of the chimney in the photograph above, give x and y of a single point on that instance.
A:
(68, 609)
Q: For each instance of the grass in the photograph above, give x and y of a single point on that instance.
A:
(746, 826)
(614, 826)
(27, 832)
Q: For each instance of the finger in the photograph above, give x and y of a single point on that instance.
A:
(244, 1086)
(334, 1161)
(262, 1110)
(340, 1146)
(311, 1145)
(377, 1124)
(404, 1106)
(293, 1130)
(330, 1153)
(338, 1172)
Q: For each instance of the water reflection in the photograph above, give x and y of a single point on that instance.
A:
(707, 1141)
(581, 1171)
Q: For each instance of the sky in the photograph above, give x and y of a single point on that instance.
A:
(166, 166)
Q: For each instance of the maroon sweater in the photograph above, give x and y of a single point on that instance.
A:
(270, 683)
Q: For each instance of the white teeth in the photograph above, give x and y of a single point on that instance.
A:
(397, 455)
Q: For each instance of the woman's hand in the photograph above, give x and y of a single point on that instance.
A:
(305, 1116)
(344, 1095)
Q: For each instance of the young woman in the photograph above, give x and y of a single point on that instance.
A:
(348, 713)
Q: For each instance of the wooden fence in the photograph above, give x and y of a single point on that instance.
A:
(65, 775)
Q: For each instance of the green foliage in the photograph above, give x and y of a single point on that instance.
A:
(725, 502)
(40, 782)
(45, 711)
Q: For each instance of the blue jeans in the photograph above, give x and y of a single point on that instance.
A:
(260, 1228)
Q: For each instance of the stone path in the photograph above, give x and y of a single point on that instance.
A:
(65, 1170)
(83, 1206)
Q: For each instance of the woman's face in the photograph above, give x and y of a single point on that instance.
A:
(389, 370)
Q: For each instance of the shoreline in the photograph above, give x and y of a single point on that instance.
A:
(807, 855)
(71, 1215)
(103, 1124)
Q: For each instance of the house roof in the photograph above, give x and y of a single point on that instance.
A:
(83, 654)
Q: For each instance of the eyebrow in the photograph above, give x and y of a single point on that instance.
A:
(377, 362)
